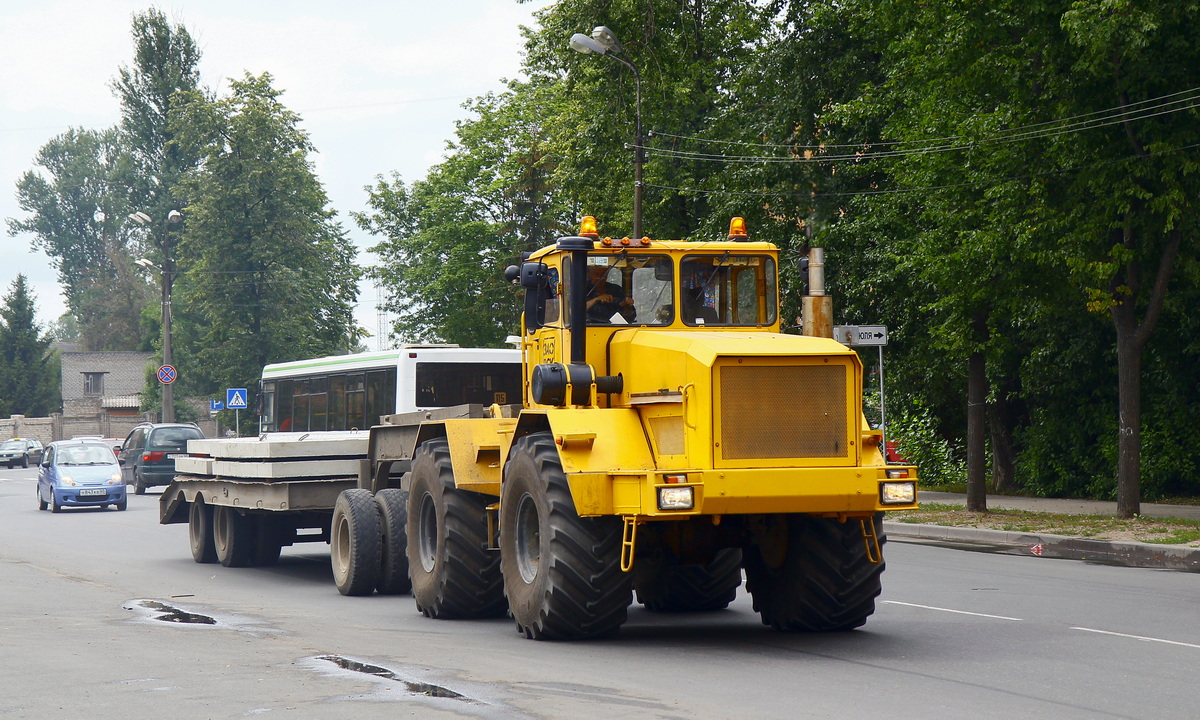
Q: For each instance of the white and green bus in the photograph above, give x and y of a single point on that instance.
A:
(348, 392)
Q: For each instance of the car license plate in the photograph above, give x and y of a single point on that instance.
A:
(93, 491)
(176, 455)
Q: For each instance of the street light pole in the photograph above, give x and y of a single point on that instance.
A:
(168, 389)
(604, 42)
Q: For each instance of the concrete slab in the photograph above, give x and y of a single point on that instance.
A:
(283, 469)
(193, 465)
(271, 446)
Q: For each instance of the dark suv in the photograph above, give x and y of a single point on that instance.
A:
(148, 455)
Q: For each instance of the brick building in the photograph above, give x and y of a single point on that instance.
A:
(101, 392)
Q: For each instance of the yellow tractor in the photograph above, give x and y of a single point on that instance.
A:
(669, 437)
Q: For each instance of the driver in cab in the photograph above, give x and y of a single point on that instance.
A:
(606, 301)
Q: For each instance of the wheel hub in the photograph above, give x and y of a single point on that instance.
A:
(427, 533)
(528, 538)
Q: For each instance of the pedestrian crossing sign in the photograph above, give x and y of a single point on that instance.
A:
(235, 398)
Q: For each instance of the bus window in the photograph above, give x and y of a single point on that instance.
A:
(300, 406)
(318, 403)
(284, 394)
(381, 395)
(337, 402)
(355, 402)
(266, 401)
(447, 384)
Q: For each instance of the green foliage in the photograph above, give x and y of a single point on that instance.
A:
(447, 239)
(264, 273)
(77, 202)
(90, 181)
(29, 383)
(914, 429)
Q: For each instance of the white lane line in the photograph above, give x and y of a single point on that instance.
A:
(1137, 637)
(956, 612)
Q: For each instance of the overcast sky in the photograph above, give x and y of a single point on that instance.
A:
(378, 83)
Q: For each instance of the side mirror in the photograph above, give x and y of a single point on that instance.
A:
(534, 275)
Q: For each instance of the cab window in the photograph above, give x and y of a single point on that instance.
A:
(628, 289)
(727, 290)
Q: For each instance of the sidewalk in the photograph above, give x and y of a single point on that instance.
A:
(1111, 552)
(1058, 505)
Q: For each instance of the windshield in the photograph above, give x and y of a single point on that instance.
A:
(86, 455)
(727, 289)
(628, 289)
(12, 445)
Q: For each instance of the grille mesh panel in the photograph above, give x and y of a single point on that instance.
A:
(783, 411)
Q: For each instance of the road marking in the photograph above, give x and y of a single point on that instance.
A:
(1137, 637)
(956, 612)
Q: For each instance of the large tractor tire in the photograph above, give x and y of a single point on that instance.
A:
(355, 543)
(393, 515)
(814, 575)
(666, 587)
(562, 573)
(200, 531)
(453, 573)
(233, 536)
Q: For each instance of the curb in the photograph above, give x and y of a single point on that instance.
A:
(1109, 552)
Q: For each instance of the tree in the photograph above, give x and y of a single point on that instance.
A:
(264, 273)
(90, 181)
(447, 239)
(164, 69)
(77, 203)
(981, 202)
(687, 55)
(28, 383)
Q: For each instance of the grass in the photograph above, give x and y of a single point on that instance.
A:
(1165, 531)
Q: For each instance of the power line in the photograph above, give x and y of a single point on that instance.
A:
(900, 191)
(1125, 109)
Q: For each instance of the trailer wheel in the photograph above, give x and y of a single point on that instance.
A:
(454, 575)
(200, 531)
(664, 586)
(815, 575)
(393, 514)
(355, 543)
(562, 573)
(233, 536)
(268, 539)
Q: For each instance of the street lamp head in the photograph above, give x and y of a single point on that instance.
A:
(140, 218)
(174, 217)
(607, 39)
(581, 43)
(143, 262)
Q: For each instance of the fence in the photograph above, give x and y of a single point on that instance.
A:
(58, 427)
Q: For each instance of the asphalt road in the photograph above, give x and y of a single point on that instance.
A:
(957, 634)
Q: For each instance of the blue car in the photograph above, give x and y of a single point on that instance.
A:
(80, 473)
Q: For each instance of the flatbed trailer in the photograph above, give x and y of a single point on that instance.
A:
(244, 499)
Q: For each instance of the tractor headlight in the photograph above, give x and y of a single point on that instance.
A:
(898, 493)
(676, 498)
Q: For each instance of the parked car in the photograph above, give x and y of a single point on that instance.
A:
(80, 473)
(21, 451)
(148, 454)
